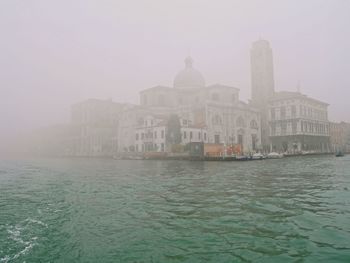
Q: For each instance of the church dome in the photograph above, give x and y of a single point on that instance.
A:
(189, 77)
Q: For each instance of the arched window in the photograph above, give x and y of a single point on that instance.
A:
(240, 122)
(253, 124)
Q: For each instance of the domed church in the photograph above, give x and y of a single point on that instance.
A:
(215, 109)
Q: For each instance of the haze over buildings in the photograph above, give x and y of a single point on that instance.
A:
(54, 54)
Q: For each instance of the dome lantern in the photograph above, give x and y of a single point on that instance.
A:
(188, 62)
(189, 77)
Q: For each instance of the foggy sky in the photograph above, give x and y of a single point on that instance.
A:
(56, 53)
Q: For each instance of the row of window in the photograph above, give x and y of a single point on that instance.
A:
(153, 135)
(313, 113)
(145, 122)
(285, 127)
(290, 127)
(186, 122)
(149, 135)
(292, 111)
(304, 111)
(314, 127)
(217, 120)
(199, 135)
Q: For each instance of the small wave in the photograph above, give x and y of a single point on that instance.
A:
(34, 221)
(15, 235)
(5, 259)
(24, 251)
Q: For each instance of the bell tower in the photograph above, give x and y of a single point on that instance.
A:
(262, 84)
(262, 79)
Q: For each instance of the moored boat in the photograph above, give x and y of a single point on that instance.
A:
(258, 156)
(274, 155)
(339, 154)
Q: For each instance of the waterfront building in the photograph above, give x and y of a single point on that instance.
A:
(153, 132)
(214, 114)
(97, 122)
(298, 123)
(340, 136)
(128, 120)
(262, 84)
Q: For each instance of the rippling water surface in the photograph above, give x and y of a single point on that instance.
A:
(89, 210)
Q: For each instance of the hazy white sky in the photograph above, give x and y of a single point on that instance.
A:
(55, 53)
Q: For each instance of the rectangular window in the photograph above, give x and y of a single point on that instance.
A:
(137, 136)
(155, 134)
(162, 134)
(205, 136)
(199, 135)
(185, 135)
(217, 139)
(162, 147)
(191, 135)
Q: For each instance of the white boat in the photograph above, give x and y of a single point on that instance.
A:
(274, 155)
(258, 156)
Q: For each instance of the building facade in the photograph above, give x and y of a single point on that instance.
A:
(96, 121)
(151, 135)
(340, 136)
(216, 108)
(298, 123)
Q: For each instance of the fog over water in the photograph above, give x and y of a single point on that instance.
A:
(56, 53)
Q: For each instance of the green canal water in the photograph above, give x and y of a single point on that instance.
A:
(99, 210)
